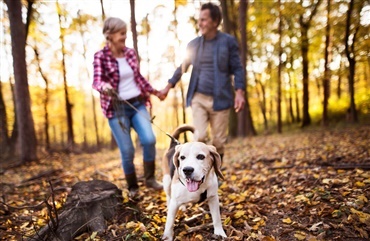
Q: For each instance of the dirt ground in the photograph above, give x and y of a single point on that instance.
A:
(304, 185)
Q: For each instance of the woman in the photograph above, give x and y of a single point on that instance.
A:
(124, 93)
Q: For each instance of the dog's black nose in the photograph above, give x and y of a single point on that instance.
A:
(188, 171)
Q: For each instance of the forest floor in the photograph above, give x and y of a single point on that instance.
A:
(307, 185)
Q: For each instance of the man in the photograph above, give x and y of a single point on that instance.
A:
(215, 58)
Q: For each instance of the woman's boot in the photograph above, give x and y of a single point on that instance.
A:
(149, 169)
(132, 186)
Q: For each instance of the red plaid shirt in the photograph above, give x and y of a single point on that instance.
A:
(106, 71)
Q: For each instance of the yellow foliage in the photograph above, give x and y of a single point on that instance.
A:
(363, 217)
(300, 235)
(239, 214)
(198, 237)
(232, 196)
(363, 198)
(131, 225)
(336, 214)
(301, 198)
(227, 221)
(360, 184)
(267, 238)
(287, 220)
(41, 222)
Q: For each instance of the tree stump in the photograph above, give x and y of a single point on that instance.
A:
(87, 208)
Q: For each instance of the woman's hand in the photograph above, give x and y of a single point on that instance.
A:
(165, 90)
(109, 90)
(159, 94)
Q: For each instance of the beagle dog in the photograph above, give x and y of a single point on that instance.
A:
(190, 173)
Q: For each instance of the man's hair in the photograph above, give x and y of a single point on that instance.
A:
(214, 11)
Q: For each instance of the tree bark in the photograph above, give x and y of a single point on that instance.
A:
(4, 137)
(280, 66)
(46, 100)
(304, 50)
(327, 72)
(93, 102)
(225, 17)
(70, 134)
(29, 16)
(227, 28)
(305, 26)
(27, 135)
(242, 115)
(261, 100)
(89, 205)
(102, 10)
(349, 48)
(290, 100)
(133, 28)
(245, 121)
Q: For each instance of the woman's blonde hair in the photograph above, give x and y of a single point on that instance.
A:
(112, 25)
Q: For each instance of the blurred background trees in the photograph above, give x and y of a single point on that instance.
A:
(307, 63)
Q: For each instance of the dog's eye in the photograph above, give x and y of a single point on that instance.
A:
(182, 157)
(200, 157)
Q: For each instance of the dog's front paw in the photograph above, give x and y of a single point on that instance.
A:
(183, 208)
(167, 235)
(220, 232)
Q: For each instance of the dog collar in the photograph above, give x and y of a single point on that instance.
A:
(182, 182)
(178, 174)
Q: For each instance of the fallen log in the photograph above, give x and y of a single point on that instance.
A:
(89, 205)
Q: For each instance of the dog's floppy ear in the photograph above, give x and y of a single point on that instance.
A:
(216, 161)
(176, 155)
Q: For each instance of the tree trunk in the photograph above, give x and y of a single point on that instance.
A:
(4, 137)
(98, 142)
(227, 28)
(279, 124)
(5, 144)
(262, 101)
(29, 15)
(133, 28)
(46, 100)
(339, 85)
(305, 22)
(27, 135)
(367, 73)
(70, 134)
(352, 63)
(242, 115)
(327, 72)
(89, 77)
(102, 10)
(290, 100)
(181, 86)
(245, 121)
(15, 133)
(306, 121)
(89, 205)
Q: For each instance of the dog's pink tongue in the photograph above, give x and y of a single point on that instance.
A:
(192, 186)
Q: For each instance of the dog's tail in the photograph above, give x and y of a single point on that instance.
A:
(179, 130)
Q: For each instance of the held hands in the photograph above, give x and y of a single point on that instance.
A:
(162, 94)
(239, 100)
(159, 94)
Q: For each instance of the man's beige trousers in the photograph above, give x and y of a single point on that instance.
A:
(203, 114)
